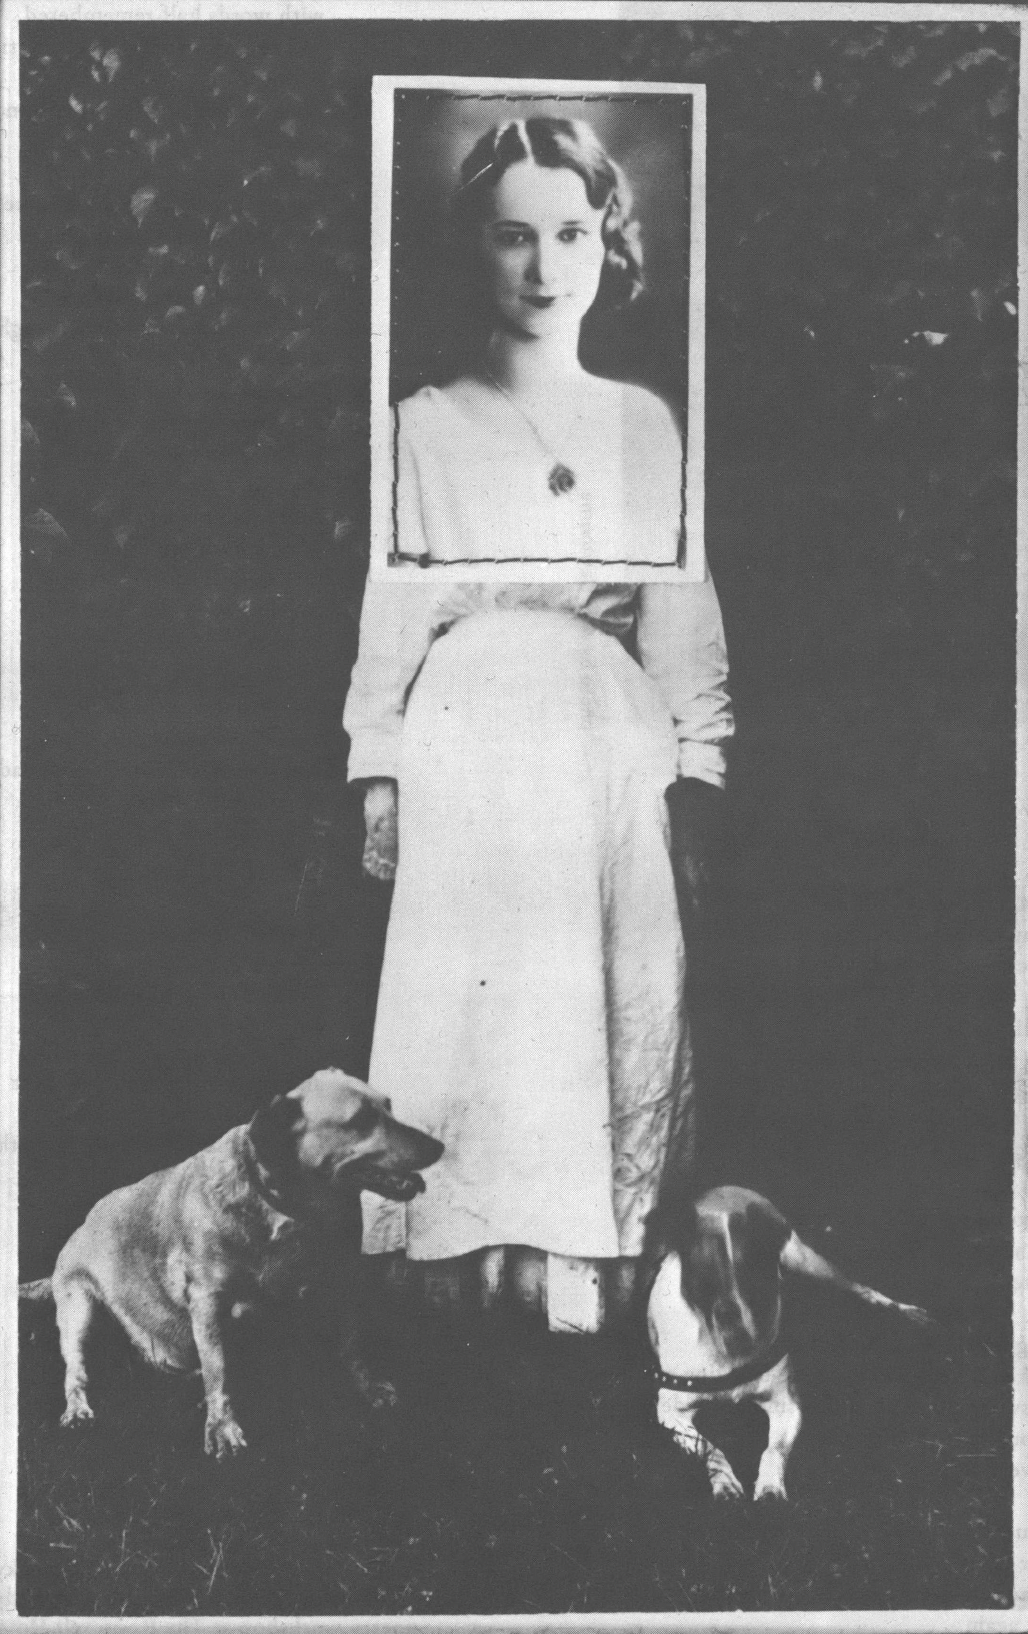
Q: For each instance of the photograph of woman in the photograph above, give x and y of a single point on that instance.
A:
(541, 761)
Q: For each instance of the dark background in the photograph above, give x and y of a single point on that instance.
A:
(195, 241)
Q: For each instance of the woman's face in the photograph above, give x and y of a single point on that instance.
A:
(543, 249)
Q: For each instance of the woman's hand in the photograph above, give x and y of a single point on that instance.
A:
(696, 812)
(380, 847)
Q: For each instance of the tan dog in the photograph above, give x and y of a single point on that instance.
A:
(715, 1322)
(271, 1210)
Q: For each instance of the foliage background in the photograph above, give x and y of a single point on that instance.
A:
(195, 242)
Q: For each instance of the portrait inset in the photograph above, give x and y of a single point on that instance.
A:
(537, 380)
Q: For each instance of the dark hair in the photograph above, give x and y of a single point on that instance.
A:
(558, 144)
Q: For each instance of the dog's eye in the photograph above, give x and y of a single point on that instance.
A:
(363, 1120)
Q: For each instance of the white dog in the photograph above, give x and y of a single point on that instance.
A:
(714, 1318)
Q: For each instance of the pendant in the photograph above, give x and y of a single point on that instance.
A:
(561, 480)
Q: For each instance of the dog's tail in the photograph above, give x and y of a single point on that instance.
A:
(38, 1292)
(797, 1257)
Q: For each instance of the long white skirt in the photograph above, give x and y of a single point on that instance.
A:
(531, 1011)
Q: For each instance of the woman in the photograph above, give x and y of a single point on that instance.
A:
(530, 1012)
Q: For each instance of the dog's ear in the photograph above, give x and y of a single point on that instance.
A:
(666, 1230)
(671, 1226)
(271, 1131)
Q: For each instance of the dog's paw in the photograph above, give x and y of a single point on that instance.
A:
(771, 1492)
(726, 1487)
(379, 1393)
(915, 1313)
(78, 1411)
(375, 1392)
(223, 1438)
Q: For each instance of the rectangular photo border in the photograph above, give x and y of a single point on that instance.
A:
(381, 567)
(468, 12)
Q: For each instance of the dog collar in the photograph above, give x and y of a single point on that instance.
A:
(716, 1384)
(272, 1195)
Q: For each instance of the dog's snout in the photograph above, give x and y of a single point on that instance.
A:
(420, 1150)
(433, 1150)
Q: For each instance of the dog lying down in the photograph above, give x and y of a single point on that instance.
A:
(714, 1317)
(270, 1211)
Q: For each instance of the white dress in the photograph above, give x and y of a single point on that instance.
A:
(530, 1012)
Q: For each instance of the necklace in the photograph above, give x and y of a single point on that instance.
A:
(561, 478)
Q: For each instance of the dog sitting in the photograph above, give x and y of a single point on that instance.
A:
(270, 1211)
(714, 1316)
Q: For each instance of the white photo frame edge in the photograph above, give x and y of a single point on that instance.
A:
(1009, 1619)
(383, 89)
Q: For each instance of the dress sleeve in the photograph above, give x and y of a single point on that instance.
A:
(681, 644)
(397, 628)
(398, 625)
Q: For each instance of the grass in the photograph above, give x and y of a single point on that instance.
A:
(525, 1472)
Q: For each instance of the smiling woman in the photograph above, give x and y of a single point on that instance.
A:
(543, 228)
(544, 249)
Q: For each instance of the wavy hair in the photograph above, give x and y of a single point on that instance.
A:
(557, 144)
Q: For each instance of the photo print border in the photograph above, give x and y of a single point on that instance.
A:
(387, 564)
(422, 15)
